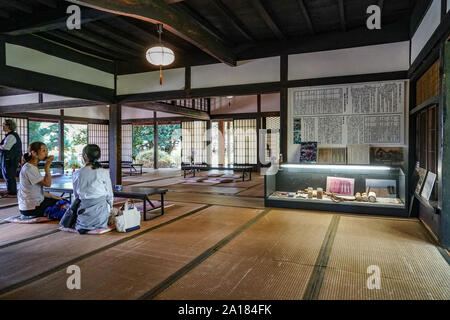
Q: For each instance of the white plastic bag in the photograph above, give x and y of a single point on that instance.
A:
(128, 219)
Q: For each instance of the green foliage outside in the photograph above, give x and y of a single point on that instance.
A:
(74, 139)
(169, 144)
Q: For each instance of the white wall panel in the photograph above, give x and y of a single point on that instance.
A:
(19, 99)
(51, 98)
(173, 79)
(344, 62)
(36, 61)
(246, 72)
(428, 25)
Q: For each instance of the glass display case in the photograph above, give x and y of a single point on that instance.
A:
(367, 189)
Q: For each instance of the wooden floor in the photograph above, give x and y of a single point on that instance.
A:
(219, 242)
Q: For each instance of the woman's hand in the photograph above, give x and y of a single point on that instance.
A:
(49, 161)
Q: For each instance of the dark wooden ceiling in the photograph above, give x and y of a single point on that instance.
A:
(244, 26)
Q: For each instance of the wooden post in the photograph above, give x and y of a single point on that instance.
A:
(258, 126)
(115, 144)
(155, 141)
(221, 143)
(61, 136)
(284, 107)
(444, 157)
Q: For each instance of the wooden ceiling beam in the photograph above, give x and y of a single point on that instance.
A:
(48, 106)
(49, 20)
(342, 15)
(4, 14)
(225, 11)
(103, 42)
(306, 16)
(48, 3)
(174, 20)
(268, 19)
(101, 51)
(115, 34)
(16, 4)
(169, 108)
(205, 24)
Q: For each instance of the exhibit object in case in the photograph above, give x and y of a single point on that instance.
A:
(367, 189)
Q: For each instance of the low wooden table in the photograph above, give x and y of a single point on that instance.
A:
(139, 193)
(126, 164)
(57, 165)
(205, 167)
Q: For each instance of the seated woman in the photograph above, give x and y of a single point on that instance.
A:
(92, 185)
(32, 198)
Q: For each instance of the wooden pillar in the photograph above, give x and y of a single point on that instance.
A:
(444, 150)
(155, 141)
(284, 107)
(258, 127)
(221, 143)
(208, 142)
(61, 136)
(115, 144)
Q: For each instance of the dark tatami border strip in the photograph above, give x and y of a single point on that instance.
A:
(199, 259)
(89, 254)
(315, 281)
(41, 235)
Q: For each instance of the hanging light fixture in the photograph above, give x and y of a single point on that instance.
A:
(229, 101)
(160, 55)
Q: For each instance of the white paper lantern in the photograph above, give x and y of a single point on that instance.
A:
(160, 56)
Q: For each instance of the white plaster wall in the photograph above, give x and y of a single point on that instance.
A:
(19, 99)
(92, 112)
(448, 5)
(238, 104)
(344, 62)
(270, 102)
(428, 25)
(173, 79)
(133, 113)
(246, 72)
(36, 61)
(51, 98)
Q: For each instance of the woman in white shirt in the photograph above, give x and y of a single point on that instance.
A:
(92, 185)
(32, 198)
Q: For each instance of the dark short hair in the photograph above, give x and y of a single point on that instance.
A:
(11, 124)
(93, 154)
(35, 146)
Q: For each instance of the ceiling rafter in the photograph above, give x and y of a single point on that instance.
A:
(101, 41)
(101, 51)
(174, 20)
(268, 19)
(306, 16)
(48, 3)
(115, 34)
(233, 19)
(16, 4)
(4, 14)
(168, 108)
(342, 15)
(205, 23)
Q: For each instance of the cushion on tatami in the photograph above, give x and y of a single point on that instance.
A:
(16, 219)
(95, 231)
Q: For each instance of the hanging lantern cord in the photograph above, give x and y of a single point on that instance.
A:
(160, 28)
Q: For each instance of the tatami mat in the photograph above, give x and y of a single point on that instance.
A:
(272, 259)
(26, 260)
(256, 191)
(204, 189)
(214, 199)
(12, 232)
(401, 249)
(129, 270)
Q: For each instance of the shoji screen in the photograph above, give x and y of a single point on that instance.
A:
(194, 142)
(245, 150)
(127, 142)
(98, 134)
(22, 131)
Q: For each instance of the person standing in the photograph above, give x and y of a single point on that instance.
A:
(11, 154)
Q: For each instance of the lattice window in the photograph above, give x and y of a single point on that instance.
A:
(22, 131)
(428, 84)
(98, 134)
(194, 142)
(127, 142)
(272, 123)
(245, 149)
